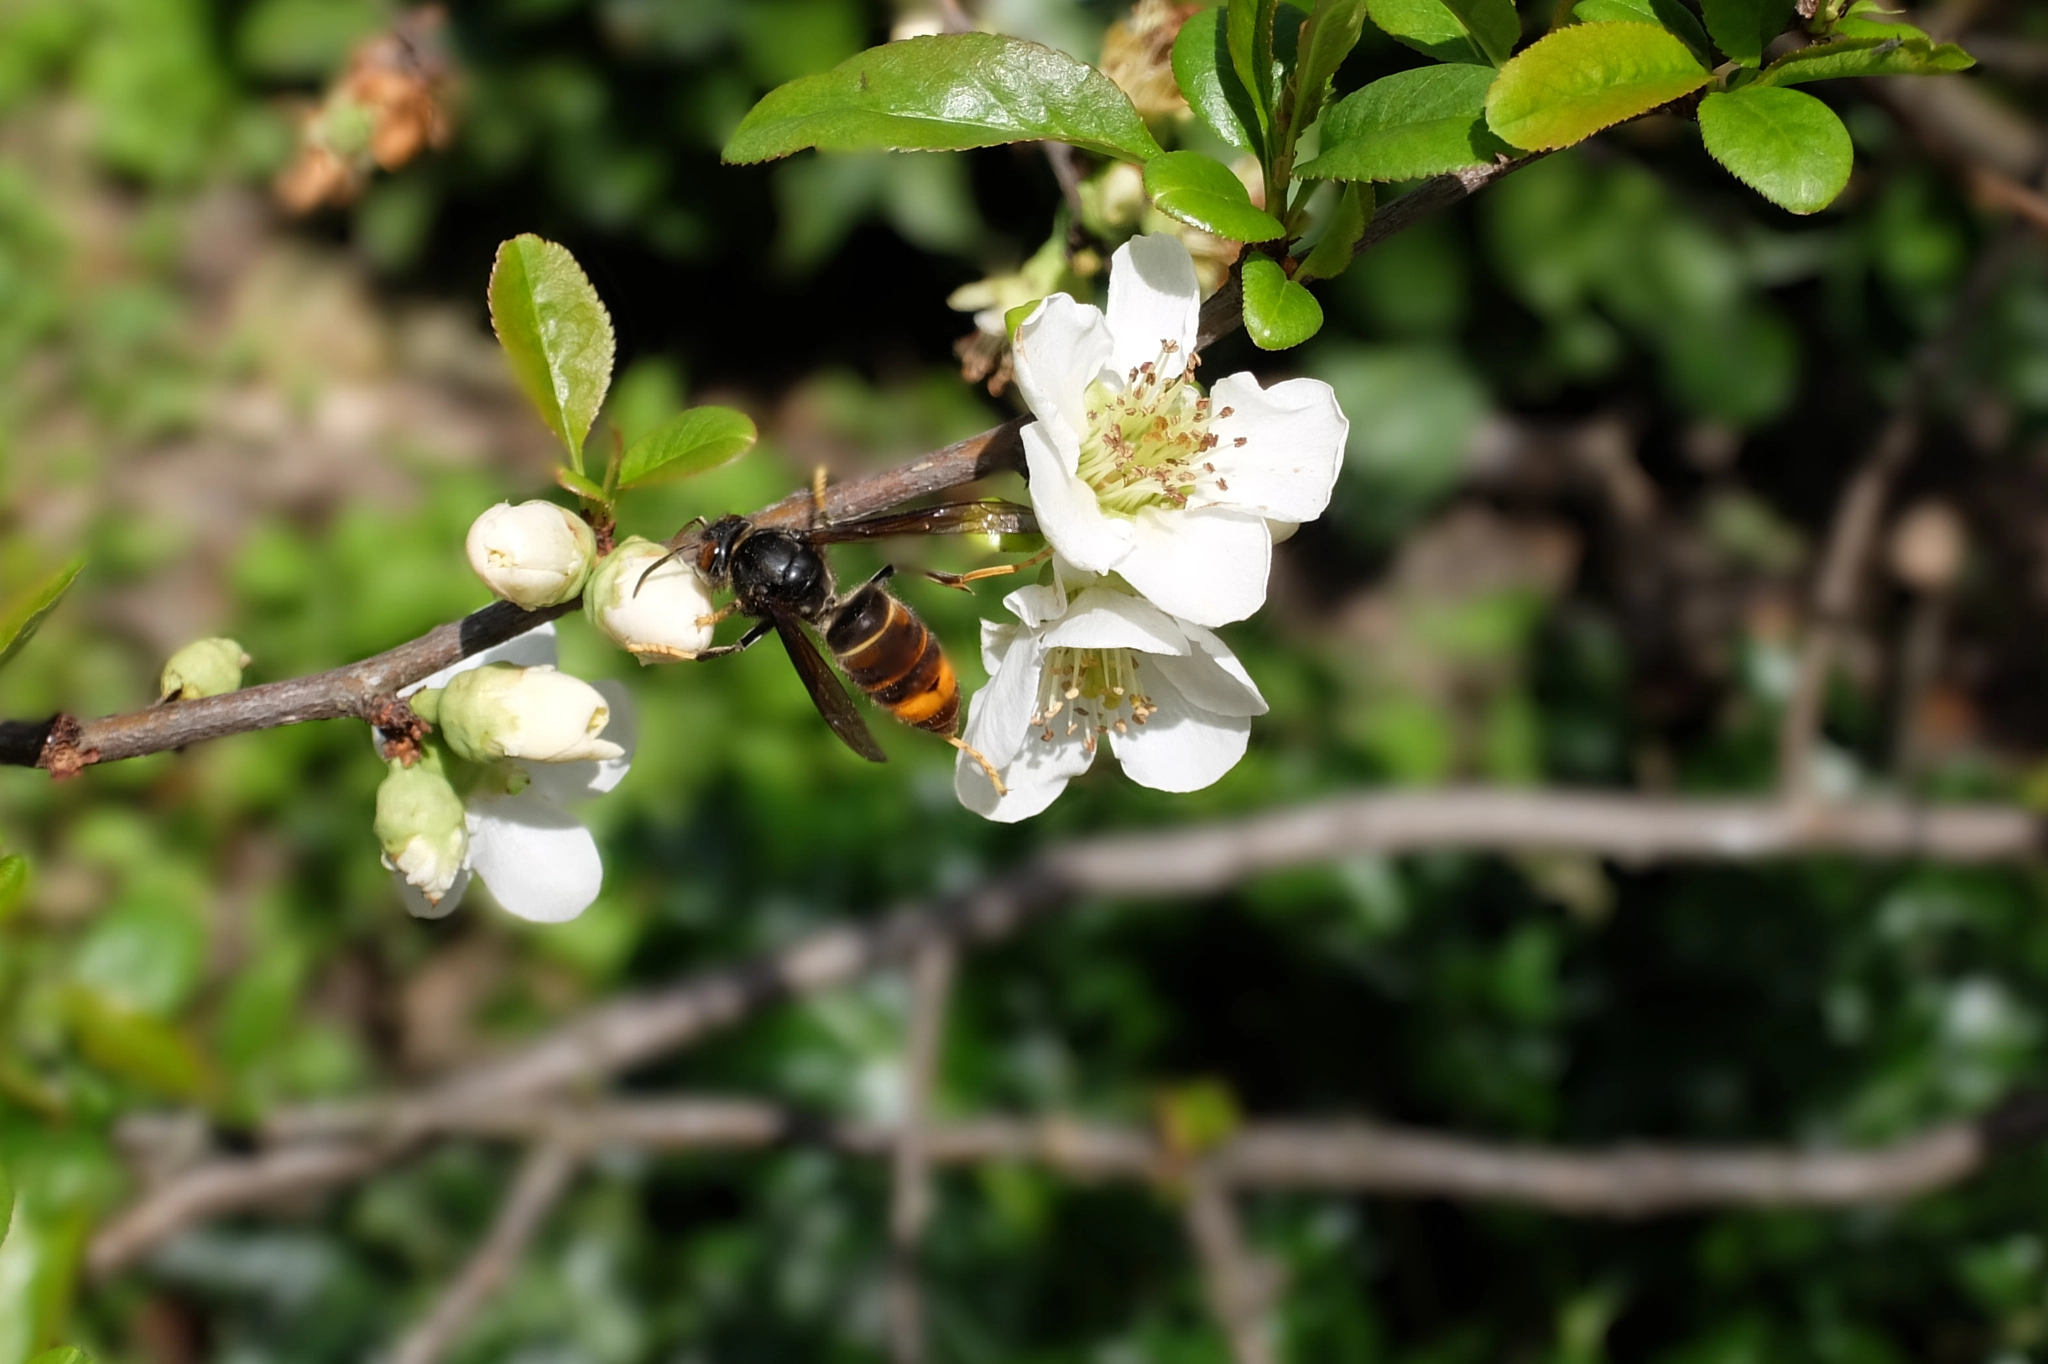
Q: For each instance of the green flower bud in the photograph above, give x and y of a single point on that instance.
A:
(536, 714)
(205, 667)
(422, 826)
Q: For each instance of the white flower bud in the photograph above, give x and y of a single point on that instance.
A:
(421, 824)
(533, 555)
(205, 667)
(532, 714)
(666, 617)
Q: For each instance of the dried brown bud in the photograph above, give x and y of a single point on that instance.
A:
(1137, 53)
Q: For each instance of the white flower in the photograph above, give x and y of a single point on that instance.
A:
(1170, 698)
(667, 616)
(501, 710)
(533, 555)
(1133, 471)
(537, 858)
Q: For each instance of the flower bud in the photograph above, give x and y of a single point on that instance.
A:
(420, 822)
(665, 617)
(205, 667)
(533, 555)
(502, 710)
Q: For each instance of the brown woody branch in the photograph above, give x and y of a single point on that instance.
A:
(1356, 1157)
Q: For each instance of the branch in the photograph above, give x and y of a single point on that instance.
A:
(1238, 1285)
(910, 1202)
(541, 1182)
(1356, 1156)
(1862, 506)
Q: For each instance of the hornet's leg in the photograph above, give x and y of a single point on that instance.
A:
(986, 766)
(672, 554)
(746, 641)
(960, 580)
(716, 616)
(818, 475)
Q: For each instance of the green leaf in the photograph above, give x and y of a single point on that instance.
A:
(1409, 125)
(688, 444)
(555, 332)
(1334, 251)
(1429, 27)
(1191, 187)
(583, 485)
(1201, 67)
(24, 615)
(945, 92)
(6, 1203)
(1865, 57)
(1744, 28)
(13, 884)
(135, 1046)
(63, 1354)
(1666, 14)
(1332, 31)
(1493, 24)
(1278, 313)
(1784, 144)
(1581, 79)
(1248, 31)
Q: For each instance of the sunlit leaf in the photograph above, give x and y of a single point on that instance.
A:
(1430, 27)
(1332, 31)
(24, 614)
(1201, 67)
(1333, 253)
(687, 444)
(943, 92)
(1409, 125)
(1681, 22)
(1587, 77)
(63, 1354)
(1866, 57)
(1744, 28)
(556, 333)
(1784, 144)
(1278, 313)
(1191, 187)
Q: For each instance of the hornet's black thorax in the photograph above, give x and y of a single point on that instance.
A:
(768, 567)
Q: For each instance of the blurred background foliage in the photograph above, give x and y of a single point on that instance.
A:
(1598, 415)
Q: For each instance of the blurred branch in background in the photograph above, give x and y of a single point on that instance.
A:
(910, 1200)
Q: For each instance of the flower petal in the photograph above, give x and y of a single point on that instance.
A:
(535, 648)
(1211, 676)
(1207, 565)
(1068, 514)
(1182, 747)
(560, 782)
(1154, 298)
(1061, 349)
(999, 715)
(1293, 436)
(1037, 603)
(538, 861)
(417, 904)
(1035, 778)
(1104, 618)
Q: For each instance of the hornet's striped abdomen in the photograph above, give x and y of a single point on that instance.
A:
(888, 653)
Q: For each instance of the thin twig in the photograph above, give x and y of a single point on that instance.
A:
(1237, 1284)
(910, 1203)
(1627, 1181)
(1859, 511)
(541, 1182)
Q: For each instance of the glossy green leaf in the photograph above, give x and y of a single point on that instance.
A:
(1865, 57)
(1429, 27)
(25, 613)
(1201, 67)
(1409, 125)
(945, 92)
(556, 333)
(688, 444)
(146, 1050)
(1784, 144)
(1248, 32)
(13, 884)
(1868, 19)
(63, 1354)
(1581, 79)
(1669, 15)
(1197, 190)
(1744, 28)
(1493, 24)
(1331, 32)
(1337, 247)
(1278, 313)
